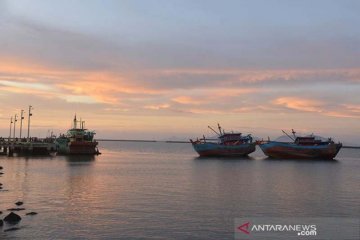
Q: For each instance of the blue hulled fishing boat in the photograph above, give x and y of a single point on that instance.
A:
(301, 148)
(225, 145)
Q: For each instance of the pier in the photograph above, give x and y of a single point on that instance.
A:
(25, 145)
(35, 146)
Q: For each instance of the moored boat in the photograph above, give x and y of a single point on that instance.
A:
(226, 145)
(301, 148)
(77, 140)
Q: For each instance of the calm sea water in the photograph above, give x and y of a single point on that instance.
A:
(163, 191)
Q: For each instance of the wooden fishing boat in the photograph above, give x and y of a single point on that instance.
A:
(301, 148)
(225, 145)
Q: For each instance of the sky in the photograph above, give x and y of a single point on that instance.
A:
(166, 69)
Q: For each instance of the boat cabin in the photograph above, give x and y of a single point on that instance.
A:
(307, 141)
(228, 138)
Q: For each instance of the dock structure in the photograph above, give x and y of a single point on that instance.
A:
(35, 146)
(25, 146)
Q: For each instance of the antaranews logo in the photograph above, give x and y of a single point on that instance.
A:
(245, 228)
(330, 228)
(299, 229)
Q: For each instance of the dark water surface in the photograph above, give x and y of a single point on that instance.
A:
(163, 191)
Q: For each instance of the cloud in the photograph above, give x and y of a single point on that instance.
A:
(157, 107)
(346, 111)
(25, 85)
(124, 76)
(300, 104)
(316, 106)
(186, 100)
(235, 91)
(353, 108)
(67, 67)
(20, 76)
(215, 78)
(57, 47)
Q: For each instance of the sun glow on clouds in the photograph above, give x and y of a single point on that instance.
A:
(300, 104)
(207, 94)
(186, 100)
(26, 85)
(79, 99)
(353, 108)
(157, 107)
(132, 91)
(72, 86)
(309, 105)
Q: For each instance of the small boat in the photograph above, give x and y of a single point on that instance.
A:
(77, 140)
(301, 148)
(225, 145)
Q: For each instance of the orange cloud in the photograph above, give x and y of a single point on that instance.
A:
(346, 111)
(207, 96)
(187, 100)
(352, 108)
(131, 90)
(17, 76)
(308, 105)
(256, 75)
(341, 114)
(299, 104)
(158, 107)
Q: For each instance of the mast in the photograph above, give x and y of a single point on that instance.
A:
(15, 120)
(30, 114)
(75, 122)
(21, 120)
(219, 127)
(11, 121)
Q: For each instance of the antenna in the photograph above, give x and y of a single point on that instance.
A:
(11, 121)
(21, 120)
(30, 114)
(75, 122)
(15, 120)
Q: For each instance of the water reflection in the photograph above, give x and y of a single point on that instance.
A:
(37, 157)
(116, 194)
(301, 160)
(79, 159)
(224, 158)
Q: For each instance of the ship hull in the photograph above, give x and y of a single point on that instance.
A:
(282, 150)
(83, 148)
(65, 147)
(220, 150)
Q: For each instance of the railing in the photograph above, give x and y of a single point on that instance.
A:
(25, 140)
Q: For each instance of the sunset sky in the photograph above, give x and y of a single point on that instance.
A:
(159, 69)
